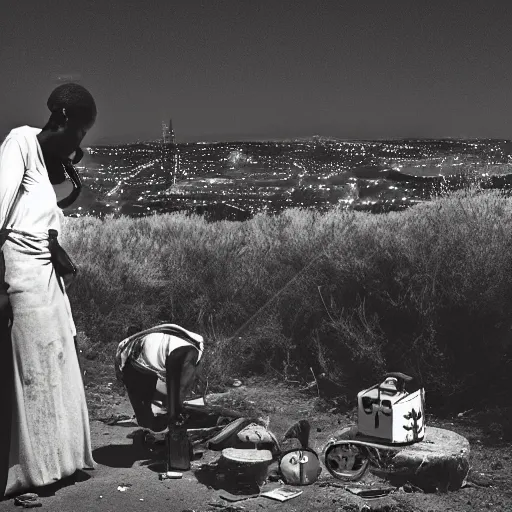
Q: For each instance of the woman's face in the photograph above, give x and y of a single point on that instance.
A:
(70, 135)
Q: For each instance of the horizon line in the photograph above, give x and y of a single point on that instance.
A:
(302, 138)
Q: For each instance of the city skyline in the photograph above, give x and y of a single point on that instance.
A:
(237, 179)
(262, 71)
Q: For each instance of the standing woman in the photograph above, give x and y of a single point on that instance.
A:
(43, 399)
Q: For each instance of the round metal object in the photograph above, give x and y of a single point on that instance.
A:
(346, 460)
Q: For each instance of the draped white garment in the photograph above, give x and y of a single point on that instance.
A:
(50, 425)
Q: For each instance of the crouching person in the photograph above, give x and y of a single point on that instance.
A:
(162, 363)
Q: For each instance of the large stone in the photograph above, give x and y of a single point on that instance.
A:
(438, 463)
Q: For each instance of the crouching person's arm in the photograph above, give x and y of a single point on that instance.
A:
(181, 372)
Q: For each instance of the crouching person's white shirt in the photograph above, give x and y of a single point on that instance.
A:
(157, 347)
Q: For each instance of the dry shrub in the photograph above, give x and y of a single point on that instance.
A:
(427, 291)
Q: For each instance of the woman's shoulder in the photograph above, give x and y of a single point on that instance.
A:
(24, 135)
(26, 138)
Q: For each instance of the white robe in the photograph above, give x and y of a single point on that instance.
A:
(50, 436)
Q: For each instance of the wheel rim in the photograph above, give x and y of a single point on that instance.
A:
(346, 460)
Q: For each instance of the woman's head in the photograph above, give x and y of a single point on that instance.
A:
(73, 113)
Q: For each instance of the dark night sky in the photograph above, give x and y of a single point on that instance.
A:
(240, 69)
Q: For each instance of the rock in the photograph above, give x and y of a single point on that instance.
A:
(439, 462)
(479, 479)
(408, 488)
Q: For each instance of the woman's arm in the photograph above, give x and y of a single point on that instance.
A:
(12, 168)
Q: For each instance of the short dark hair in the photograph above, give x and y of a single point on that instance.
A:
(77, 101)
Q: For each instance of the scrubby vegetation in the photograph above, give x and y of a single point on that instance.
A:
(427, 291)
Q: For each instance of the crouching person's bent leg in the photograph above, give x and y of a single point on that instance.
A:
(141, 389)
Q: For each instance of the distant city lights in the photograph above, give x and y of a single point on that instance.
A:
(257, 176)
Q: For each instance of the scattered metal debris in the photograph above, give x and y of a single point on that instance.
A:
(170, 475)
(28, 500)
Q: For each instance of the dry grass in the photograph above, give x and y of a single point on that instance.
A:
(427, 291)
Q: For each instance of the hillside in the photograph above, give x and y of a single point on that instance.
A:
(348, 294)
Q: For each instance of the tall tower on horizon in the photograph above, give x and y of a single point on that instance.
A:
(165, 133)
(170, 156)
(171, 132)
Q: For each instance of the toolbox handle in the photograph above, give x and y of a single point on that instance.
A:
(401, 377)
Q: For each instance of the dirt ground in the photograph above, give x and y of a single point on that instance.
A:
(122, 463)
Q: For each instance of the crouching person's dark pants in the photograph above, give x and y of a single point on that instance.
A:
(181, 371)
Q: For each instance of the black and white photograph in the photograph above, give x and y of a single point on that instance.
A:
(256, 256)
